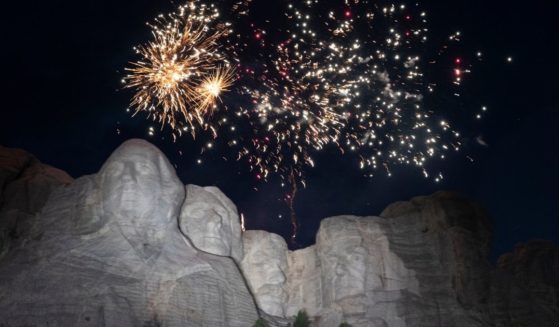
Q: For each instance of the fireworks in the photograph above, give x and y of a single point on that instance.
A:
(182, 71)
(344, 75)
(211, 88)
(349, 76)
(352, 76)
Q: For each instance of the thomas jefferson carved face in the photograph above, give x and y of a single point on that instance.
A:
(211, 222)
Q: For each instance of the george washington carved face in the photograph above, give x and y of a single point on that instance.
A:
(141, 193)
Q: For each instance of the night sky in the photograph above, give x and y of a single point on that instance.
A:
(62, 101)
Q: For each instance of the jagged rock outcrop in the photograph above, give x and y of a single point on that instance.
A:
(525, 286)
(133, 246)
(25, 185)
(109, 253)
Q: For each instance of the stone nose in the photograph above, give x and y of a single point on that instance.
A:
(339, 269)
(215, 221)
(278, 277)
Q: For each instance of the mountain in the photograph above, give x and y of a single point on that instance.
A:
(133, 246)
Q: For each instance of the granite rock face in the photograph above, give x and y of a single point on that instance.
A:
(133, 246)
(110, 253)
(25, 185)
(265, 265)
(211, 222)
(304, 282)
(525, 286)
(410, 267)
(422, 263)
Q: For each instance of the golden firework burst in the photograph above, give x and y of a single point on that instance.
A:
(181, 73)
(212, 86)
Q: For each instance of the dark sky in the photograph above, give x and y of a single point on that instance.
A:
(62, 65)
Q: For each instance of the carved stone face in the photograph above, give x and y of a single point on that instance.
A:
(343, 260)
(265, 265)
(346, 268)
(141, 193)
(350, 269)
(210, 221)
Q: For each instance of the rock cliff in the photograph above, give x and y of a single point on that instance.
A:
(133, 246)
(107, 251)
(25, 185)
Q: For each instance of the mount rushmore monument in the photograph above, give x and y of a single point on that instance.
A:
(133, 246)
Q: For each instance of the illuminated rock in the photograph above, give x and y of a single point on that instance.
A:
(361, 276)
(111, 254)
(304, 282)
(132, 246)
(265, 264)
(211, 222)
(422, 263)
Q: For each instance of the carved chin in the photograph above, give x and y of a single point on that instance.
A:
(272, 306)
(214, 245)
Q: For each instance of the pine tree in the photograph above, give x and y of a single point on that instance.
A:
(302, 319)
(260, 323)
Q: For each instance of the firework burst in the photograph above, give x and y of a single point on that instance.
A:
(212, 86)
(182, 72)
(346, 75)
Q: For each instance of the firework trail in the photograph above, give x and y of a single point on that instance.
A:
(290, 201)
